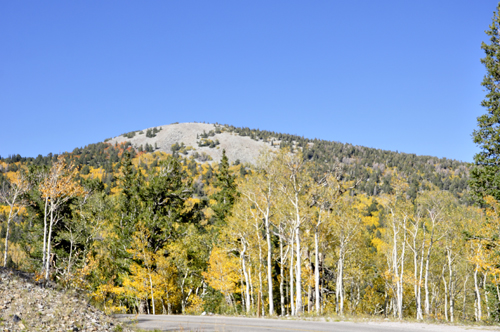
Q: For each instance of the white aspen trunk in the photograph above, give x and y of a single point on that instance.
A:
(243, 291)
(452, 287)
(183, 300)
(339, 287)
(292, 300)
(282, 279)
(498, 290)
(401, 280)
(426, 285)
(287, 291)
(252, 297)
(298, 278)
(478, 312)
(7, 235)
(486, 295)
(70, 254)
(396, 305)
(309, 302)
(415, 275)
(260, 280)
(316, 271)
(445, 299)
(416, 283)
(47, 264)
(247, 283)
(44, 235)
(321, 302)
(269, 266)
(152, 294)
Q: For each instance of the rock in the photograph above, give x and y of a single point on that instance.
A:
(46, 309)
(203, 313)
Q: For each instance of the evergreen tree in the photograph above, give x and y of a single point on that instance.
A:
(130, 183)
(225, 196)
(485, 176)
(163, 200)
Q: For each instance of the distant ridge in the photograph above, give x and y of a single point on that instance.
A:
(203, 143)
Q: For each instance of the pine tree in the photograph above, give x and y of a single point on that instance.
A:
(485, 176)
(225, 182)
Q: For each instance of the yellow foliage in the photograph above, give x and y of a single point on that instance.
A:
(379, 244)
(196, 305)
(96, 173)
(222, 273)
(60, 182)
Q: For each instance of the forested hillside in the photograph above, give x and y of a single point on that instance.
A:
(366, 165)
(316, 226)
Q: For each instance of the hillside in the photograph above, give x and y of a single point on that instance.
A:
(195, 139)
(203, 143)
(146, 220)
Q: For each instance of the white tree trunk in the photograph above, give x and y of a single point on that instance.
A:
(298, 279)
(452, 287)
(49, 235)
(247, 283)
(478, 312)
(339, 287)
(486, 295)
(152, 294)
(7, 237)
(44, 235)
(269, 266)
(282, 278)
(426, 286)
(292, 303)
(316, 272)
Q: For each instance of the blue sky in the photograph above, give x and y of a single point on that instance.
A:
(395, 75)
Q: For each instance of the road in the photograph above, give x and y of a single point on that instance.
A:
(239, 324)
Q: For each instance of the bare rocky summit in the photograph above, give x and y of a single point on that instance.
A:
(26, 305)
(241, 148)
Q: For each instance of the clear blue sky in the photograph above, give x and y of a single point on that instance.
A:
(396, 75)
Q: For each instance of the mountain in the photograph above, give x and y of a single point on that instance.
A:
(197, 140)
(203, 143)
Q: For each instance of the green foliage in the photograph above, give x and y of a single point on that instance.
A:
(367, 164)
(130, 134)
(485, 175)
(225, 182)
(152, 132)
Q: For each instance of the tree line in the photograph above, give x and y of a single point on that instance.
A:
(278, 238)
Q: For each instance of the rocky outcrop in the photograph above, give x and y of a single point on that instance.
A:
(26, 305)
(241, 148)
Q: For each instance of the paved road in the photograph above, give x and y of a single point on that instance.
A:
(225, 324)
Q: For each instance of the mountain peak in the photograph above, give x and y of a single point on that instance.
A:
(203, 141)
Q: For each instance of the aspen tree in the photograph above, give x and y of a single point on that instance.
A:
(238, 230)
(436, 204)
(398, 211)
(260, 190)
(345, 222)
(293, 181)
(140, 252)
(57, 188)
(416, 243)
(454, 247)
(325, 195)
(221, 274)
(12, 194)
